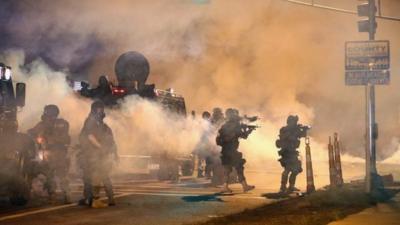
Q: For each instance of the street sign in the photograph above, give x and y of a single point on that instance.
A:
(367, 62)
(367, 55)
(361, 77)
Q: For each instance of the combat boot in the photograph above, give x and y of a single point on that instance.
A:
(292, 182)
(293, 189)
(282, 189)
(109, 192)
(111, 201)
(226, 189)
(247, 187)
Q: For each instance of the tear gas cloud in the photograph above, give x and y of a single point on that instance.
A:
(269, 58)
(163, 132)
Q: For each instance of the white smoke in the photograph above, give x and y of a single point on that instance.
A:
(140, 126)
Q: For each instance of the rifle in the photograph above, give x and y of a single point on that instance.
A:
(248, 127)
(250, 118)
(303, 129)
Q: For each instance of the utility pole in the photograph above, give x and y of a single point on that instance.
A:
(369, 9)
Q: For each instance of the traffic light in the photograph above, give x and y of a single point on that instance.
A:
(367, 9)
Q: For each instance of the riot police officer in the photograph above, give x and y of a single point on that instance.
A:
(203, 148)
(102, 92)
(228, 139)
(98, 153)
(217, 117)
(288, 142)
(52, 136)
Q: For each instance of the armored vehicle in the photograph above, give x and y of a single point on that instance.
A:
(17, 150)
(132, 70)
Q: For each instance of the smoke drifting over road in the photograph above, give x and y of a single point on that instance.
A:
(140, 126)
(269, 58)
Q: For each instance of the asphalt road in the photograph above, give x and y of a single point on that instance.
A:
(143, 202)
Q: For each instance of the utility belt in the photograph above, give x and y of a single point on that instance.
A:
(284, 152)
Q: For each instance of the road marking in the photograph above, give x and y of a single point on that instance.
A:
(38, 211)
(183, 195)
(33, 212)
(131, 192)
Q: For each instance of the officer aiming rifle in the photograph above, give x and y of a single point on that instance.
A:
(288, 143)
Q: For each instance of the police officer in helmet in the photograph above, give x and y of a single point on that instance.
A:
(98, 151)
(52, 136)
(288, 143)
(228, 138)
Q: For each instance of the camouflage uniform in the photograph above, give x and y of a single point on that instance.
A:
(228, 139)
(288, 142)
(53, 139)
(97, 158)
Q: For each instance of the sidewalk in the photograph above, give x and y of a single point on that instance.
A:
(383, 214)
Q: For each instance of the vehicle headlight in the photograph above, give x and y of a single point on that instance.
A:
(2, 71)
(7, 73)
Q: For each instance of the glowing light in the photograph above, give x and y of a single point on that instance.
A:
(118, 91)
(7, 73)
(40, 140)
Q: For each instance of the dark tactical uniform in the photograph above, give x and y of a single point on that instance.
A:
(217, 119)
(53, 139)
(288, 142)
(102, 92)
(98, 150)
(203, 150)
(228, 139)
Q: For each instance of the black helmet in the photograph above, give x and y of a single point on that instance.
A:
(206, 115)
(217, 110)
(103, 81)
(292, 119)
(232, 114)
(96, 105)
(51, 111)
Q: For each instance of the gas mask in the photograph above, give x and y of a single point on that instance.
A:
(99, 115)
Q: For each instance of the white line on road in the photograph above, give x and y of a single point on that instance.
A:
(33, 212)
(130, 193)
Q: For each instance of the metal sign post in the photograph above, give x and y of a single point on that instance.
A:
(368, 64)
